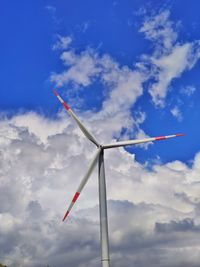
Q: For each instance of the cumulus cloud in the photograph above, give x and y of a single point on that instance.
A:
(170, 58)
(168, 67)
(160, 30)
(83, 68)
(123, 87)
(38, 177)
(177, 226)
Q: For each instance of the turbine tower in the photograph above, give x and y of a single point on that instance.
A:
(99, 158)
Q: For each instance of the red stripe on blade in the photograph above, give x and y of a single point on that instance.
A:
(55, 93)
(75, 197)
(160, 138)
(66, 214)
(65, 106)
(179, 134)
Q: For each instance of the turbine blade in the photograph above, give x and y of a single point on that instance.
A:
(139, 141)
(83, 183)
(72, 114)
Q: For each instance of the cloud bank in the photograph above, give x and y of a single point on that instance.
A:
(153, 215)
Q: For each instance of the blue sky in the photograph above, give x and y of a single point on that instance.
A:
(130, 69)
(29, 32)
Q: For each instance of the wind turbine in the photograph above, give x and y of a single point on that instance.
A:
(99, 158)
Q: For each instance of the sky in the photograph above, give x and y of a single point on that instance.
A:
(129, 70)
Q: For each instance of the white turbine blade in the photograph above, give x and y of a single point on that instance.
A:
(139, 141)
(81, 126)
(83, 183)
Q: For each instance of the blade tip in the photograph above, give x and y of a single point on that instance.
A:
(180, 134)
(66, 214)
(54, 92)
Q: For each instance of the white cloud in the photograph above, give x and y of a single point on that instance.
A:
(62, 42)
(82, 69)
(38, 180)
(188, 90)
(170, 58)
(68, 58)
(39, 126)
(160, 30)
(175, 111)
(123, 88)
(169, 67)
